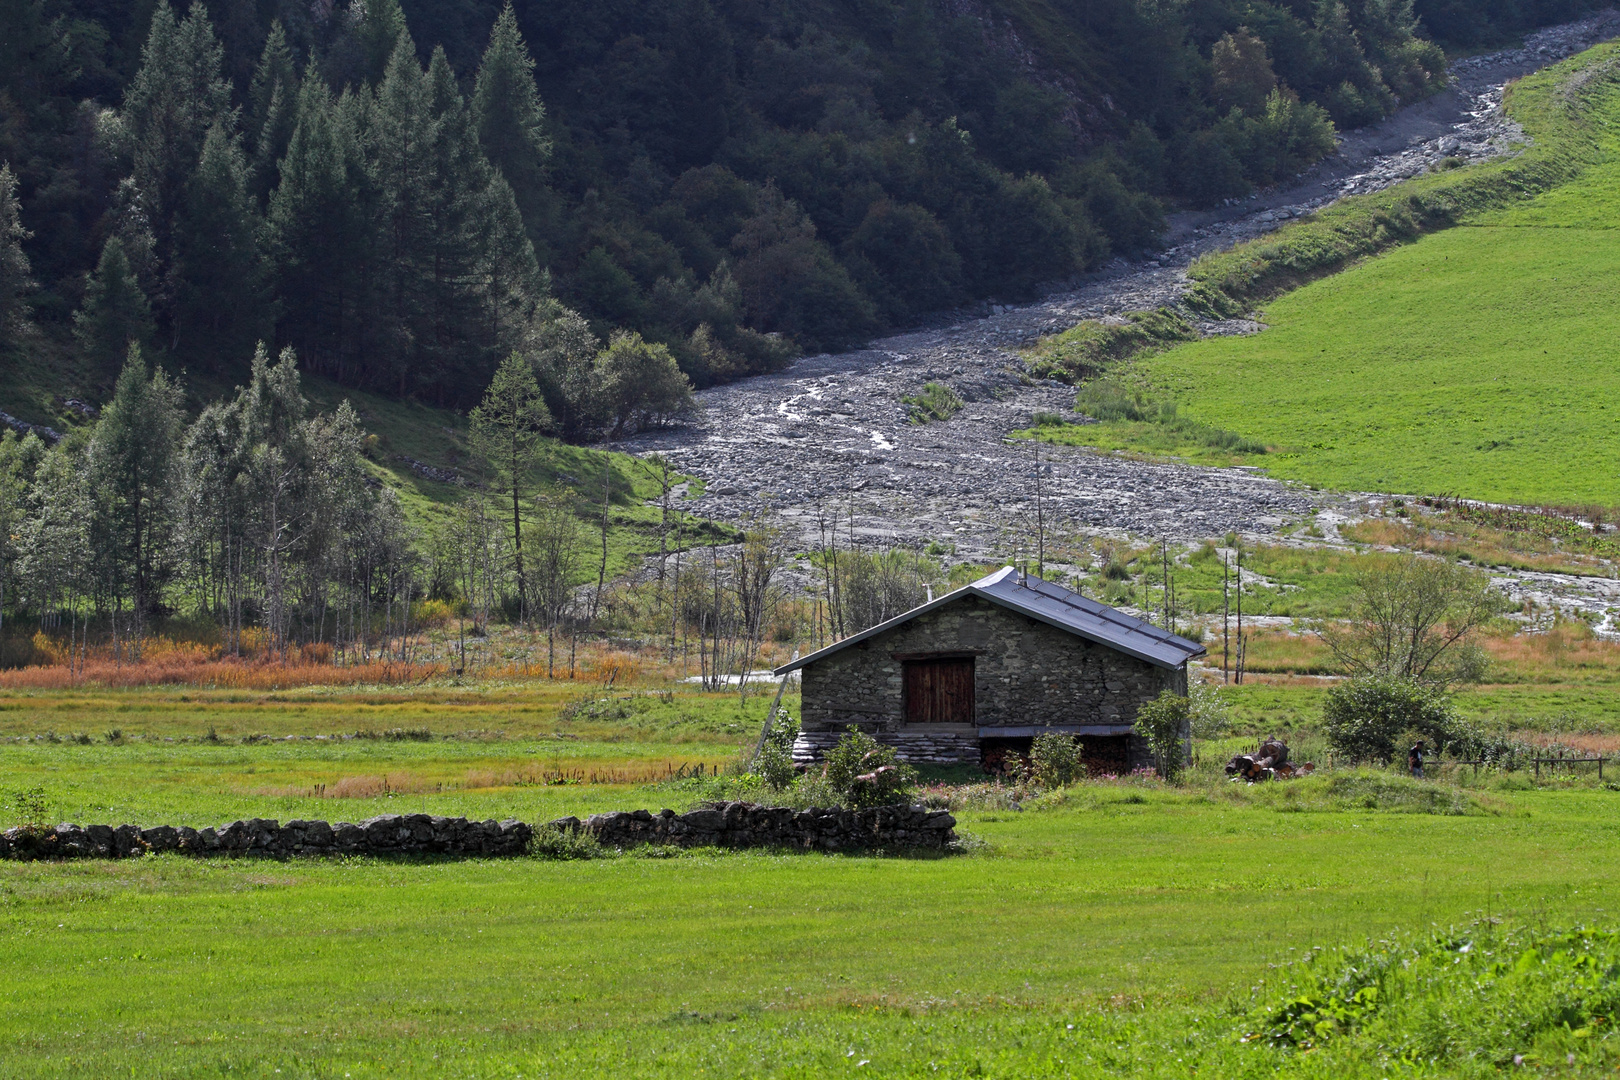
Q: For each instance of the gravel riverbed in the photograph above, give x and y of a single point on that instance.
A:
(832, 433)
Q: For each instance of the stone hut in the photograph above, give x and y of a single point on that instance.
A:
(981, 671)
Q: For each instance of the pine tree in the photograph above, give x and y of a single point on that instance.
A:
(319, 234)
(219, 301)
(272, 112)
(131, 463)
(14, 271)
(175, 98)
(115, 315)
(505, 431)
(401, 136)
(510, 115)
(380, 34)
(461, 174)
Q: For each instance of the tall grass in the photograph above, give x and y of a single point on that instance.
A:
(229, 674)
(1109, 400)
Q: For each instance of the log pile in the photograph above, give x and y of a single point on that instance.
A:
(1269, 762)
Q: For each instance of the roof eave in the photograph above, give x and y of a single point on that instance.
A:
(1077, 632)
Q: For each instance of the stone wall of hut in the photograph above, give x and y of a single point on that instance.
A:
(1026, 673)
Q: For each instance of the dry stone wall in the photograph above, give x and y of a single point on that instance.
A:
(389, 834)
(725, 824)
(746, 825)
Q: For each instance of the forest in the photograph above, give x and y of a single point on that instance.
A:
(407, 192)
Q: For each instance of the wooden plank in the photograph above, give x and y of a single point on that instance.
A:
(938, 690)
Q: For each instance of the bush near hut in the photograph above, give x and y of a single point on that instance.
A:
(1054, 759)
(864, 772)
(774, 762)
(1164, 722)
(1366, 718)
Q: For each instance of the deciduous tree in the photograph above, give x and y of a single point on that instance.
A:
(505, 431)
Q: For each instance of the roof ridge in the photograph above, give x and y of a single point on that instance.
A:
(1067, 597)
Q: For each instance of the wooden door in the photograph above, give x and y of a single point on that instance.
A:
(939, 691)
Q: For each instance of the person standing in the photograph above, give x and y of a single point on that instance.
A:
(1414, 759)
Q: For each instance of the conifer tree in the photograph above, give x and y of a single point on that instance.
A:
(401, 136)
(131, 464)
(510, 115)
(319, 231)
(380, 34)
(461, 175)
(219, 301)
(505, 431)
(14, 271)
(115, 315)
(175, 98)
(272, 112)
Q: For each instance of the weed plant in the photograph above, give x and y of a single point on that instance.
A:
(935, 401)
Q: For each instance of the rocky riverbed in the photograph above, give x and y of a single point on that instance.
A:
(831, 433)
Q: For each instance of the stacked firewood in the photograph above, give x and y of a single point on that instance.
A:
(1269, 762)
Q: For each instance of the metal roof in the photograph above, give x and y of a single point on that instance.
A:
(1050, 604)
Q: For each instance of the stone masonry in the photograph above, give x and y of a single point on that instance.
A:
(1026, 674)
(723, 824)
(389, 834)
(742, 825)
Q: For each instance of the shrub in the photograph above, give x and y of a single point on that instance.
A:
(1208, 714)
(1164, 722)
(30, 809)
(1054, 759)
(864, 772)
(1477, 993)
(550, 842)
(935, 401)
(1366, 717)
(774, 762)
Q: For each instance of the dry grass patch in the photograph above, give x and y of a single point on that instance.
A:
(1452, 538)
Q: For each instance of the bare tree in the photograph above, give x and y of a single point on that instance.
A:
(1413, 617)
(756, 567)
(556, 547)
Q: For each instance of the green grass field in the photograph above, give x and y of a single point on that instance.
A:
(1109, 929)
(1144, 920)
(1479, 360)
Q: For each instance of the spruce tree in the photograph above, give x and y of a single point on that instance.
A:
(219, 301)
(14, 271)
(510, 115)
(402, 134)
(380, 35)
(175, 98)
(457, 337)
(115, 315)
(272, 112)
(319, 233)
(131, 462)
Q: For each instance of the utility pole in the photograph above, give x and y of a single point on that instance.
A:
(1226, 619)
(1164, 569)
(1040, 518)
(1239, 560)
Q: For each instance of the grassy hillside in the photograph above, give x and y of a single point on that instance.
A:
(410, 434)
(1479, 360)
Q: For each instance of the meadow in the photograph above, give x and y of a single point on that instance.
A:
(1478, 360)
(1113, 927)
